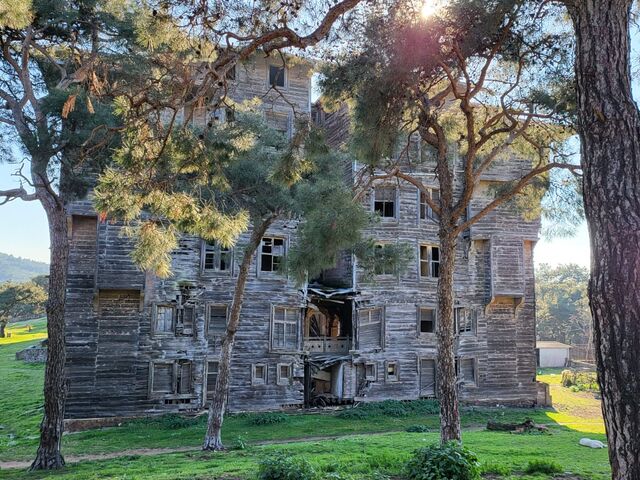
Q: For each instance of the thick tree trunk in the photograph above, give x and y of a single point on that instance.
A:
(609, 127)
(447, 390)
(48, 455)
(213, 438)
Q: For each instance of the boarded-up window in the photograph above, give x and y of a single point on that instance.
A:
(284, 328)
(212, 377)
(426, 320)
(217, 320)
(384, 203)
(464, 320)
(393, 372)
(276, 76)
(429, 261)
(185, 318)
(426, 212)
(164, 319)
(162, 378)
(427, 377)
(370, 328)
(272, 250)
(370, 372)
(184, 377)
(284, 373)
(258, 374)
(216, 258)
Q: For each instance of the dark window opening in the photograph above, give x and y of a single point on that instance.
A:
(271, 254)
(427, 320)
(276, 76)
(216, 257)
(425, 209)
(217, 321)
(429, 261)
(385, 202)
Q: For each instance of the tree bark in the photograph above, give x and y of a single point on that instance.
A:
(213, 438)
(3, 325)
(609, 128)
(49, 456)
(447, 386)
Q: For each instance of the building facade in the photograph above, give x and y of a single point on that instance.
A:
(138, 344)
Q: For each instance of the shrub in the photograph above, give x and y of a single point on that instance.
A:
(391, 408)
(281, 467)
(173, 421)
(443, 462)
(269, 418)
(543, 466)
(417, 429)
(580, 381)
(495, 469)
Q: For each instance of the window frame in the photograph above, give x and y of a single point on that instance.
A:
(154, 320)
(285, 75)
(179, 318)
(419, 309)
(459, 370)
(473, 321)
(396, 206)
(261, 254)
(285, 322)
(374, 376)
(428, 261)
(207, 248)
(425, 212)
(391, 378)
(208, 394)
(284, 381)
(383, 315)
(175, 387)
(208, 308)
(262, 380)
(435, 376)
(383, 274)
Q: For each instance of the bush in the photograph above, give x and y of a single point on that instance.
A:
(543, 466)
(281, 467)
(173, 421)
(443, 462)
(580, 381)
(495, 469)
(417, 429)
(269, 418)
(391, 408)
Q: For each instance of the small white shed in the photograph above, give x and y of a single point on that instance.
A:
(552, 354)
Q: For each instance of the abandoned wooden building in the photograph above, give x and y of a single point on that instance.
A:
(138, 344)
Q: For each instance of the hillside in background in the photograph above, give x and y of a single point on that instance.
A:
(18, 269)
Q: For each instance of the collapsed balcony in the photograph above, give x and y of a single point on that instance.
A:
(328, 326)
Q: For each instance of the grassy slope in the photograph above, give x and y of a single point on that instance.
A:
(358, 456)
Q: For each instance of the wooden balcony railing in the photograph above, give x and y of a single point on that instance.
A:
(327, 344)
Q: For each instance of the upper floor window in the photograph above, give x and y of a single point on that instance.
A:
(384, 203)
(426, 211)
(276, 76)
(272, 250)
(217, 320)
(464, 320)
(216, 258)
(285, 322)
(370, 328)
(429, 261)
(176, 320)
(426, 320)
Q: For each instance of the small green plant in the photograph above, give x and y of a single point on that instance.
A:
(282, 467)
(495, 469)
(543, 466)
(268, 418)
(417, 429)
(241, 443)
(443, 462)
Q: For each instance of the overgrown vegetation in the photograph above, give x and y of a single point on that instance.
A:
(268, 418)
(580, 381)
(391, 408)
(443, 462)
(543, 466)
(282, 467)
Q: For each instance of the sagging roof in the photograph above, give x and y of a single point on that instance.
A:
(330, 292)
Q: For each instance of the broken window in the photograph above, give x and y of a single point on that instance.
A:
(216, 258)
(370, 328)
(429, 261)
(212, 377)
(284, 328)
(384, 203)
(258, 374)
(370, 371)
(164, 315)
(466, 370)
(171, 378)
(392, 374)
(426, 320)
(185, 318)
(464, 320)
(384, 264)
(272, 250)
(427, 377)
(425, 209)
(217, 320)
(284, 373)
(276, 76)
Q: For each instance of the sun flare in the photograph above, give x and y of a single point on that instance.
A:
(429, 7)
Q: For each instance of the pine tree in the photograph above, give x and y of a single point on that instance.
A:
(462, 82)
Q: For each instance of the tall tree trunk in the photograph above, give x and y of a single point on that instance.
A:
(3, 325)
(609, 127)
(213, 438)
(447, 390)
(48, 455)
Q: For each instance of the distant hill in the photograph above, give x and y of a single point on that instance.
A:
(18, 269)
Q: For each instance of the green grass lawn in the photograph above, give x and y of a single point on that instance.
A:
(358, 454)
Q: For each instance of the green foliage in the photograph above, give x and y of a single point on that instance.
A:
(417, 429)
(443, 462)
(580, 381)
(391, 408)
(283, 467)
(267, 418)
(495, 469)
(562, 304)
(547, 467)
(20, 300)
(174, 421)
(388, 258)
